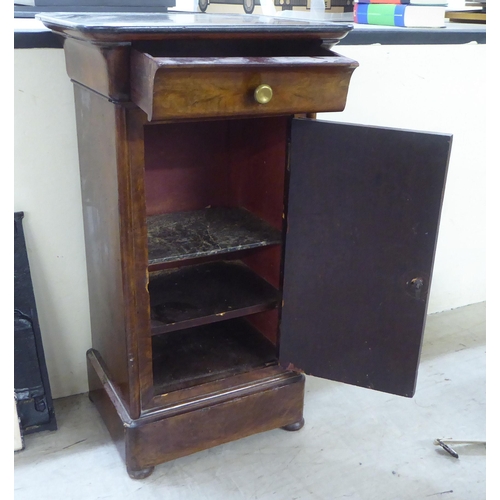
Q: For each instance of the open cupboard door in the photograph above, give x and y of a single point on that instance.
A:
(363, 214)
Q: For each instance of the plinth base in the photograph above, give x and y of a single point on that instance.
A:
(169, 432)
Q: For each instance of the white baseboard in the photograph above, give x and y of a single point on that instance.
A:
(18, 438)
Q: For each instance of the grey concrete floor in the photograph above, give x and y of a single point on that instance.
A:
(357, 444)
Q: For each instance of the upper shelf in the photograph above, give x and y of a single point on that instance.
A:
(201, 233)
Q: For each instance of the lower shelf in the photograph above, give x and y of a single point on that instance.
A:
(185, 358)
(206, 293)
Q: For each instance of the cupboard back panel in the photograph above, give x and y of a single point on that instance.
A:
(186, 166)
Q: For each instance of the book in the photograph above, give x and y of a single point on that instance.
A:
(409, 16)
(443, 3)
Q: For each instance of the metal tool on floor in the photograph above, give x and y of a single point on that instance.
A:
(445, 444)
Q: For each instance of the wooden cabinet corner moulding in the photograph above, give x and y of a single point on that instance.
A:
(234, 244)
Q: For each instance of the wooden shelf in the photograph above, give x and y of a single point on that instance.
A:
(211, 231)
(186, 358)
(466, 16)
(206, 293)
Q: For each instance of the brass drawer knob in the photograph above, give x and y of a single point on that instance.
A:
(263, 94)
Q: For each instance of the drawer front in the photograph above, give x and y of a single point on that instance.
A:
(172, 88)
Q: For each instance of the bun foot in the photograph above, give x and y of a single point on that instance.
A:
(140, 474)
(295, 426)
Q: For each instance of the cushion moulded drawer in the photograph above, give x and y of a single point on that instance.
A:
(197, 87)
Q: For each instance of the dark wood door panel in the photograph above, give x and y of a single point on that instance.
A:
(364, 208)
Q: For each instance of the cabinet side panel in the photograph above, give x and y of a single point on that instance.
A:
(135, 256)
(258, 154)
(258, 149)
(364, 208)
(104, 69)
(98, 170)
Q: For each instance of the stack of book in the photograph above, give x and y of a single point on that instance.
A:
(404, 13)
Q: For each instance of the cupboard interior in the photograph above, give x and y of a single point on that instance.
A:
(215, 204)
(249, 47)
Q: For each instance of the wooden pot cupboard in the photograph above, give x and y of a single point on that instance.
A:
(233, 241)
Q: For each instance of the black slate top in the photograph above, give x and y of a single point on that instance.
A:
(124, 26)
(137, 22)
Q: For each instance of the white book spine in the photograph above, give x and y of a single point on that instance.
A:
(424, 17)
